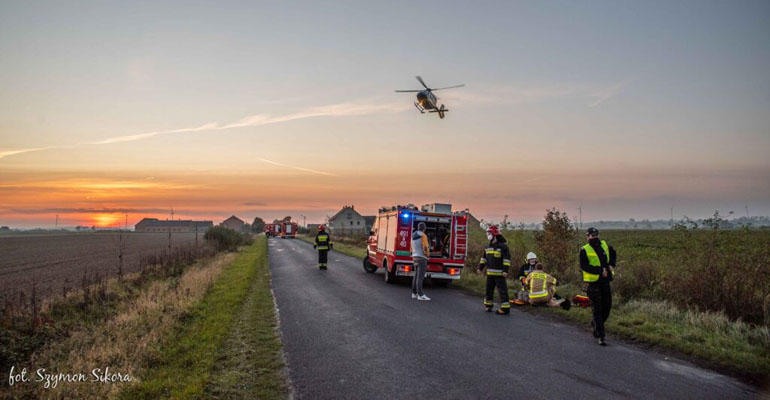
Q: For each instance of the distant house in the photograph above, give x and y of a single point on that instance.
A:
(235, 224)
(160, 225)
(5, 229)
(348, 221)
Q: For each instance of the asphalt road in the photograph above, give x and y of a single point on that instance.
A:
(349, 335)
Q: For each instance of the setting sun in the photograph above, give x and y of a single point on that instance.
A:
(105, 220)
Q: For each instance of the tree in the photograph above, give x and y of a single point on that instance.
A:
(558, 241)
(258, 225)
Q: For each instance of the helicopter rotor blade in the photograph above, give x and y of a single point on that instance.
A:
(408, 91)
(449, 87)
(421, 82)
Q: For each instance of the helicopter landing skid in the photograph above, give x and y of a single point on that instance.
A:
(419, 108)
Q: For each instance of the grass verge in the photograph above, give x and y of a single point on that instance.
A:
(185, 365)
(710, 339)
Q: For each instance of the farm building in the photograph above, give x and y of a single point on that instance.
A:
(157, 225)
(236, 224)
(348, 221)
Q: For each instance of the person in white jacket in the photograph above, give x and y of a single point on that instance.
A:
(420, 252)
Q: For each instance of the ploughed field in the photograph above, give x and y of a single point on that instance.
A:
(58, 261)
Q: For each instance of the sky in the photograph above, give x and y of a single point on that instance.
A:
(115, 111)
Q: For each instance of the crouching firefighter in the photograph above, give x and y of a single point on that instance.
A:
(497, 261)
(323, 242)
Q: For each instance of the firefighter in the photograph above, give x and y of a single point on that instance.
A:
(541, 289)
(597, 261)
(526, 268)
(323, 242)
(497, 261)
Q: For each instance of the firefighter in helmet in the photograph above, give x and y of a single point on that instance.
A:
(497, 261)
(323, 242)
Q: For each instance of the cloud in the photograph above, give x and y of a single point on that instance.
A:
(255, 203)
(7, 153)
(603, 94)
(331, 110)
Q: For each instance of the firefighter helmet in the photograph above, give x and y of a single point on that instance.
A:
(493, 230)
(321, 228)
(531, 256)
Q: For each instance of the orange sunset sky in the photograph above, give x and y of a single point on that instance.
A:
(274, 109)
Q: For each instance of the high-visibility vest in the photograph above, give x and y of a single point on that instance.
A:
(322, 241)
(593, 260)
(539, 280)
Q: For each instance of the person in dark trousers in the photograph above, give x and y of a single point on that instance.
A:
(597, 261)
(323, 243)
(497, 261)
(420, 254)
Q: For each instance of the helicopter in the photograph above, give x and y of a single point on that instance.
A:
(426, 100)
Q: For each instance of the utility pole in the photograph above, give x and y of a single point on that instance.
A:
(580, 218)
(671, 221)
(304, 225)
(747, 210)
(57, 220)
(126, 221)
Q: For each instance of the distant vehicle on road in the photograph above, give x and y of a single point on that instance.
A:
(390, 245)
(288, 230)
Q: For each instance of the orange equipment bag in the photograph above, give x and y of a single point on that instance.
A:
(581, 301)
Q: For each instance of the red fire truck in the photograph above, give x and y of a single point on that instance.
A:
(288, 230)
(273, 229)
(390, 241)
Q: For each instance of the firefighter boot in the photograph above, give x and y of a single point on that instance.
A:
(488, 305)
(505, 308)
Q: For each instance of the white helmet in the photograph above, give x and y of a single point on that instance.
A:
(531, 256)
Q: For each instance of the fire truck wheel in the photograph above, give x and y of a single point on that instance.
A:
(390, 276)
(369, 267)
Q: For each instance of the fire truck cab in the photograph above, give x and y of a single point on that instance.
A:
(273, 229)
(288, 230)
(390, 241)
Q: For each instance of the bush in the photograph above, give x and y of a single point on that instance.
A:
(558, 244)
(226, 239)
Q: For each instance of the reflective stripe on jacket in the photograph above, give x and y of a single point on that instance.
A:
(322, 241)
(496, 258)
(539, 284)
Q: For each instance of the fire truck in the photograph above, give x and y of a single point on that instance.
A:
(273, 229)
(288, 230)
(390, 241)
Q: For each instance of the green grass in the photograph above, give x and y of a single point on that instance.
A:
(711, 339)
(184, 366)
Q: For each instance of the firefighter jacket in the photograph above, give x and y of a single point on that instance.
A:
(525, 269)
(496, 259)
(540, 286)
(593, 261)
(323, 241)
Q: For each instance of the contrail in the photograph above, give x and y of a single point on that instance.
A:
(331, 110)
(297, 168)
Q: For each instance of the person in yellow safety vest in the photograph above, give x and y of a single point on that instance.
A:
(497, 261)
(597, 261)
(541, 289)
(323, 243)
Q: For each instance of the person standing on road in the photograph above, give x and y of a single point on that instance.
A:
(323, 242)
(597, 261)
(420, 252)
(497, 261)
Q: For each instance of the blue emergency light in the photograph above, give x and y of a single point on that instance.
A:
(405, 216)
